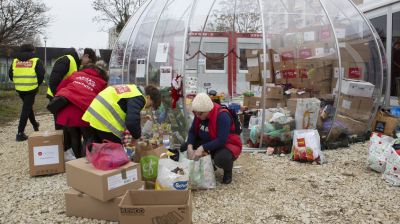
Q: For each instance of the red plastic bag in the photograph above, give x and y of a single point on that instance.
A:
(107, 155)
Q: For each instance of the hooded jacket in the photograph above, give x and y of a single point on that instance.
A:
(39, 69)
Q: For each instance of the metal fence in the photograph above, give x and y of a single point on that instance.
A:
(5, 82)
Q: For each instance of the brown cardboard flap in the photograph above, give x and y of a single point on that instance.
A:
(155, 197)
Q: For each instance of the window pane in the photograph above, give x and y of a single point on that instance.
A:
(243, 59)
(396, 54)
(215, 61)
(380, 26)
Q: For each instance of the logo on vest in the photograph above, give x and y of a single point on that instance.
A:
(122, 89)
(24, 64)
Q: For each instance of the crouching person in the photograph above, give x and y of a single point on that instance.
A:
(79, 89)
(117, 108)
(213, 132)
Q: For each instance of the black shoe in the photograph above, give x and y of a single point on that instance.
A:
(36, 127)
(227, 179)
(21, 137)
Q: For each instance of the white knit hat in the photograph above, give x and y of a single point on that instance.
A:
(202, 103)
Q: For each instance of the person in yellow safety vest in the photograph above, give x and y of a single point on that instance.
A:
(27, 73)
(64, 66)
(117, 108)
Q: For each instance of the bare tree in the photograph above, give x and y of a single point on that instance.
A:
(244, 17)
(116, 12)
(20, 20)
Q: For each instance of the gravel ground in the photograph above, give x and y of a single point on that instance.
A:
(265, 189)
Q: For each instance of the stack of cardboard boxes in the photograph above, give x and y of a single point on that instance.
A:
(119, 195)
(355, 105)
(96, 193)
(307, 62)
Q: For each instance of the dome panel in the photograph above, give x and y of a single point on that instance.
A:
(304, 48)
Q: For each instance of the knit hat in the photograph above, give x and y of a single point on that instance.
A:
(202, 103)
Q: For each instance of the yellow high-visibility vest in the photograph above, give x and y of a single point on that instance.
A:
(24, 74)
(72, 68)
(105, 114)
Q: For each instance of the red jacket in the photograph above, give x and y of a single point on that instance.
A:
(80, 89)
(234, 144)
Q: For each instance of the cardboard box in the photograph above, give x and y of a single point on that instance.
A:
(350, 70)
(156, 207)
(253, 53)
(82, 205)
(102, 184)
(351, 125)
(274, 92)
(356, 107)
(357, 88)
(46, 153)
(252, 102)
(273, 103)
(385, 123)
(291, 106)
(252, 76)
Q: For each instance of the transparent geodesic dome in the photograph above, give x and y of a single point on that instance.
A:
(324, 47)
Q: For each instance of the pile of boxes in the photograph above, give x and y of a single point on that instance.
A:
(96, 193)
(304, 64)
(119, 195)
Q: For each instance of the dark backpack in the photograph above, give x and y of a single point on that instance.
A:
(235, 119)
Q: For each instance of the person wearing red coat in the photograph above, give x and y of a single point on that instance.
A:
(213, 132)
(79, 89)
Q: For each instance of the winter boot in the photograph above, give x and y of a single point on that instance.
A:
(21, 137)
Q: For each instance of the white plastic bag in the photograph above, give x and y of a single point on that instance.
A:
(69, 155)
(392, 169)
(172, 175)
(201, 172)
(306, 146)
(379, 147)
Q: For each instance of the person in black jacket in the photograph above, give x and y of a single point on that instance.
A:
(62, 67)
(27, 73)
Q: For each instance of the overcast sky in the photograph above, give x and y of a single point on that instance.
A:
(73, 25)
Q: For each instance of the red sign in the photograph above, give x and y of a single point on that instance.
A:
(289, 73)
(288, 55)
(122, 89)
(355, 72)
(303, 73)
(325, 33)
(24, 64)
(305, 53)
(301, 142)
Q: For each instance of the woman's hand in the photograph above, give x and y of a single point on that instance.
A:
(199, 153)
(190, 152)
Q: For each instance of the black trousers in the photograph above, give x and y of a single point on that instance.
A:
(75, 135)
(28, 99)
(67, 137)
(99, 136)
(223, 157)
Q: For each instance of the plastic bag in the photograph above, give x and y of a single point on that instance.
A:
(392, 169)
(307, 111)
(306, 146)
(172, 175)
(148, 155)
(379, 147)
(201, 172)
(107, 155)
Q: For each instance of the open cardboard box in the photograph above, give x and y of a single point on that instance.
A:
(152, 206)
